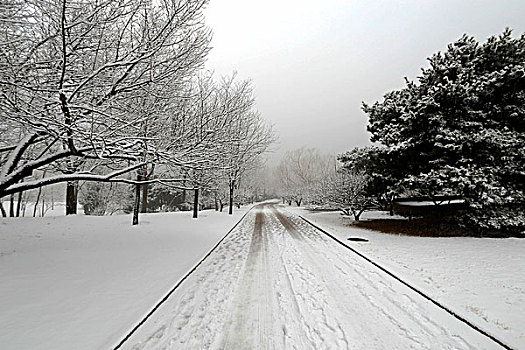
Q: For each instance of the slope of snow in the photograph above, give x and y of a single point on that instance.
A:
(82, 282)
(482, 279)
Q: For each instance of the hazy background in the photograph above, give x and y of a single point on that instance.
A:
(313, 62)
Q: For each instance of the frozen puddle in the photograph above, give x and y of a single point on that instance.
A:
(277, 283)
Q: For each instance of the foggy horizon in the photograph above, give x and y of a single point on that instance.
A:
(313, 64)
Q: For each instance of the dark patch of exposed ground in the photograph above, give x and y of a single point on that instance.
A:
(426, 227)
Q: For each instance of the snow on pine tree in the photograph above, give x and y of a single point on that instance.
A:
(460, 130)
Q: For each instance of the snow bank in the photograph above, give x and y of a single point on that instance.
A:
(82, 282)
(480, 278)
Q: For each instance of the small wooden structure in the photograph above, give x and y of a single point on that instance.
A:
(426, 206)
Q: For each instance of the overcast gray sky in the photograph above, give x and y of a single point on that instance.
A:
(313, 62)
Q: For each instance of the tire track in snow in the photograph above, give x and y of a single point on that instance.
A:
(189, 319)
(248, 326)
(324, 330)
(363, 292)
(265, 312)
(276, 283)
(292, 324)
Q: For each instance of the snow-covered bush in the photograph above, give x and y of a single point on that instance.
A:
(458, 130)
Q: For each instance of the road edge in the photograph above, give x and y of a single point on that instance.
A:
(391, 274)
(179, 282)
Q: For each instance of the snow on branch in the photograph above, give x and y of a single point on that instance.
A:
(111, 177)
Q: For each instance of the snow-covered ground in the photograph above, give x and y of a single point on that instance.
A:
(481, 279)
(278, 283)
(83, 282)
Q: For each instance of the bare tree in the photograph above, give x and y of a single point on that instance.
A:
(74, 74)
(249, 137)
(300, 171)
(97, 90)
(346, 189)
(230, 132)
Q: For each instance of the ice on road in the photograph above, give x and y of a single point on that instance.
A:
(277, 283)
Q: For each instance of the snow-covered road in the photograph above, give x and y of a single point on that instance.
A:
(277, 283)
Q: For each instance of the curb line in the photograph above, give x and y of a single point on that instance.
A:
(179, 283)
(438, 304)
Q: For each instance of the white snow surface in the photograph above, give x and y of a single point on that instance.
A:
(278, 283)
(275, 282)
(82, 282)
(482, 279)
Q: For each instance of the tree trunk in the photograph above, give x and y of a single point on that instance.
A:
(12, 205)
(298, 202)
(216, 202)
(37, 200)
(144, 207)
(71, 197)
(4, 214)
(136, 205)
(230, 210)
(196, 203)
